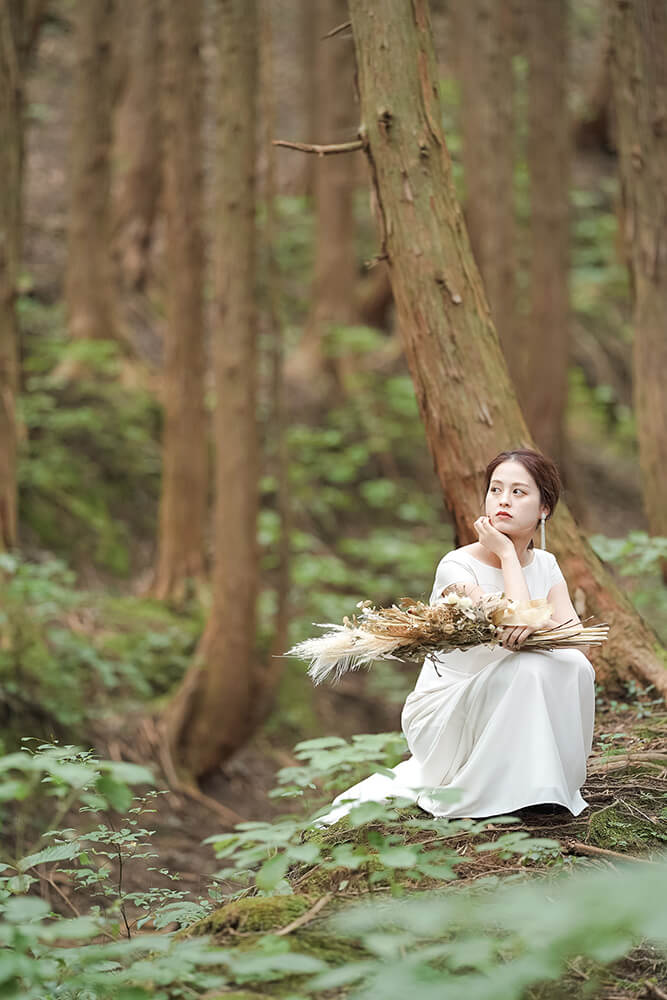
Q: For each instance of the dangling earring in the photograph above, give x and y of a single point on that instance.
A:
(542, 532)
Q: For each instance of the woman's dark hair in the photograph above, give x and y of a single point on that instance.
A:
(542, 469)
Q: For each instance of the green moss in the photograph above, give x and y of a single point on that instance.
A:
(327, 946)
(254, 913)
(618, 830)
(238, 995)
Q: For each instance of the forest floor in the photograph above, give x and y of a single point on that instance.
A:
(626, 791)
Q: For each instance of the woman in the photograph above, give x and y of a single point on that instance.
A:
(495, 729)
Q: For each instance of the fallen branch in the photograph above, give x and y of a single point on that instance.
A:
(619, 761)
(306, 917)
(576, 847)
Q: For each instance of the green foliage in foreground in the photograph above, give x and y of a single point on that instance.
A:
(491, 942)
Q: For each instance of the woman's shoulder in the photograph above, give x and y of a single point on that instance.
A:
(461, 554)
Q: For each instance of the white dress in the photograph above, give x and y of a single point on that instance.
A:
(505, 729)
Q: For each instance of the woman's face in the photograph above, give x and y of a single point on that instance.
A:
(513, 501)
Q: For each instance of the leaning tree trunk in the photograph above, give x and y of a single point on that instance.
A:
(183, 501)
(461, 381)
(88, 281)
(138, 152)
(19, 23)
(487, 133)
(212, 713)
(544, 387)
(639, 67)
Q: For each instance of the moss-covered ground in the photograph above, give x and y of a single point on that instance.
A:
(627, 817)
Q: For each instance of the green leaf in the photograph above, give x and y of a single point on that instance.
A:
(398, 857)
(117, 794)
(56, 852)
(271, 872)
(25, 908)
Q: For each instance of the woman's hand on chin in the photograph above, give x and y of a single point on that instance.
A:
(492, 539)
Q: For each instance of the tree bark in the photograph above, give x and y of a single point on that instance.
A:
(19, 25)
(278, 406)
(138, 153)
(487, 133)
(211, 715)
(639, 46)
(544, 387)
(461, 380)
(308, 51)
(88, 280)
(335, 271)
(183, 501)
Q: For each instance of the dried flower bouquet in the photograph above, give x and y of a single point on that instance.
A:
(412, 630)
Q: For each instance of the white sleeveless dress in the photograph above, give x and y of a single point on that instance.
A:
(505, 729)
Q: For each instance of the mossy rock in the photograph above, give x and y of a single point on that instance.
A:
(258, 914)
(320, 880)
(617, 830)
(326, 946)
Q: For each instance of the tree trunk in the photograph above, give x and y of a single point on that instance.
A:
(183, 503)
(461, 381)
(593, 131)
(278, 408)
(487, 132)
(138, 153)
(309, 49)
(88, 281)
(211, 715)
(639, 47)
(335, 270)
(544, 394)
(19, 24)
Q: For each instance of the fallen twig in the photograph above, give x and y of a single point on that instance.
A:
(306, 917)
(576, 847)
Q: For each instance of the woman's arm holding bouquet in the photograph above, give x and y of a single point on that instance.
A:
(563, 610)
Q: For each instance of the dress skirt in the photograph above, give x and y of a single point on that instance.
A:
(502, 730)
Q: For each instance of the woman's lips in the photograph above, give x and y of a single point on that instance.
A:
(501, 513)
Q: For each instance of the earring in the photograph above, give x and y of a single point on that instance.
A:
(542, 532)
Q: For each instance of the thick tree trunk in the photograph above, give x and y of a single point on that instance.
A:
(88, 282)
(544, 388)
(183, 502)
(639, 67)
(487, 132)
(138, 153)
(211, 715)
(461, 381)
(335, 271)
(19, 24)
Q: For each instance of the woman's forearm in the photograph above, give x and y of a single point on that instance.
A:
(516, 587)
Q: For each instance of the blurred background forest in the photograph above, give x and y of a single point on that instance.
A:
(209, 353)
(240, 394)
